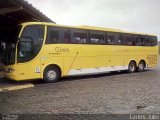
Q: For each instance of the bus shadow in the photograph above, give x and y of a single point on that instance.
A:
(69, 78)
(4, 82)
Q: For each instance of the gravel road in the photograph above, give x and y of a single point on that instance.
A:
(118, 93)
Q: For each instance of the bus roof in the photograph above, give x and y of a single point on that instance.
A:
(89, 28)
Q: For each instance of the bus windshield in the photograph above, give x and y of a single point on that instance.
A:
(30, 43)
(8, 40)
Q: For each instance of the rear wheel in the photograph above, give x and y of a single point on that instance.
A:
(141, 66)
(51, 74)
(132, 67)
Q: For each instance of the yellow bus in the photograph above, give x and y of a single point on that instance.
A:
(48, 51)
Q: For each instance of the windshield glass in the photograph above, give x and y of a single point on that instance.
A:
(30, 43)
(8, 40)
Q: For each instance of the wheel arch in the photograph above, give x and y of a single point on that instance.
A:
(132, 61)
(132, 68)
(51, 65)
(142, 60)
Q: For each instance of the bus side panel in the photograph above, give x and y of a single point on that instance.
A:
(115, 60)
(77, 61)
(152, 56)
(76, 65)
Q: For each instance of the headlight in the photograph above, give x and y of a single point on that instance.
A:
(10, 70)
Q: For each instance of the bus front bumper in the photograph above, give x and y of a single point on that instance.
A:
(10, 73)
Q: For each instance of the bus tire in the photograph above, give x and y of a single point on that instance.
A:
(132, 67)
(141, 66)
(51, 74)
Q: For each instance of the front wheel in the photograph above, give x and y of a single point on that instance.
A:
(132, 67)
(51, 74)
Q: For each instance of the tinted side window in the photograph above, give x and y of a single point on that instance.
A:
(66, 36)
(97, 38)
(129, 40)
(53, 35)
(137, 41)
(142, 38)
(79, 37)
(122, 39)
(147, 41)
(154, 41)
(110, 39)
(118, 39)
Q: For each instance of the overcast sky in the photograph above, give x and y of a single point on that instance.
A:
(130, 15)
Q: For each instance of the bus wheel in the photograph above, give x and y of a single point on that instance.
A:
(51, 74)
(132, 67)
(141, 66)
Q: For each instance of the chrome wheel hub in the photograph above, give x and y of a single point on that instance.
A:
(141, 67)
(51, 75)
(132, 68)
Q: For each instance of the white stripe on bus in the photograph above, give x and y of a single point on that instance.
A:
(96, 70)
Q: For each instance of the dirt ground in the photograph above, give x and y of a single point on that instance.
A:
(115, 93)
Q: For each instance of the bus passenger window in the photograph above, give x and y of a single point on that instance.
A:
(110, 39)
(137, 41)
(120, 39)
(129, 41)
(142, 40)
(154, 41)
(97, 38)
(52, 36)
(147, 41)
(79, 38)
(66, 37)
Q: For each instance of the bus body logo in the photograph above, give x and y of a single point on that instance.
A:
(60, 49)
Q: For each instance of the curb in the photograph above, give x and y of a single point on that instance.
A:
(17, 87)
